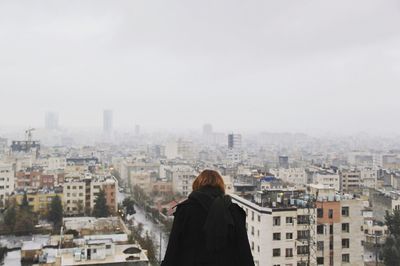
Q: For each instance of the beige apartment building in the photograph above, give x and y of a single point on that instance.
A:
(79, 193)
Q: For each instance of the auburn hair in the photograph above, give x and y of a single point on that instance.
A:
(209, 178)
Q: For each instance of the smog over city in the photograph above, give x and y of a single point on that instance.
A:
(115, 114)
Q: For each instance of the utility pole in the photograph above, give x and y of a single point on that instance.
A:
(376, 249)
(160, 245)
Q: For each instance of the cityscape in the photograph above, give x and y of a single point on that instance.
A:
(308, 201)
(116, 116)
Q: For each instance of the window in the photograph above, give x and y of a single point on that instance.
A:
(276, 221)
(345, 211)
(252, 245)
(345, 243)
(331, 229)
(302, 250)
(345, 227)
(302, 219)
(345, 257)
(94, 251)
(289, 235)
(252, 230)
(302, 234)
(276, 236)
(330, 213)
(258, 249)
(252, 215)
(289, 220)
(320, 245)
(276, 252)
(289, 253)
(320, 260)
(259, 218)
(320, 213)
(320, 229)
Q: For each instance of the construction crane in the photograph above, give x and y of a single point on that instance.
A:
(28, 134)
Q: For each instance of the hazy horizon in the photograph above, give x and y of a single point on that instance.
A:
(293, 66)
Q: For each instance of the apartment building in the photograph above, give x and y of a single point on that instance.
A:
(278, 226)
(28, 178)
(350, 181)
(80, 193)
(327, 179)
(39, 200)
(296, 176)
(52, 163)
(142, 180)
(162, 187)
(7, 183)
(339, 222)
(182, 177)
(369, 178)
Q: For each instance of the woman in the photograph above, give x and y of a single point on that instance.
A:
(208, 229)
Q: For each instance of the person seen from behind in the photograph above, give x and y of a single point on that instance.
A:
(208, 229)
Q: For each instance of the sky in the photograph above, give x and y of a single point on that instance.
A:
(297, 66)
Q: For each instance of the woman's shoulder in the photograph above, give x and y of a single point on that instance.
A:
(183, 206)
(237, 209)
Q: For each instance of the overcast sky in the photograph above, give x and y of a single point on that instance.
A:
(270, 65)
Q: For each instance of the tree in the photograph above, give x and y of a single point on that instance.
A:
(79, 207)
(10, 217)
(56, 212)
(100, 208)
(116, 174)
(148, 244)
(3, 252)
(129, 205)
(25, 203)
(391, 250)
(25, 222)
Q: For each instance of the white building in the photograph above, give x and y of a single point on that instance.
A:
(296, 176)
(53, 163)
(7, 181)
(277, 235)
(327, 179)
(182, 177)
(369, 178)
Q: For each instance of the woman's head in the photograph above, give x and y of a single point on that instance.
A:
(209, 178)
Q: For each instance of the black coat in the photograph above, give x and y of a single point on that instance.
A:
(223, 241)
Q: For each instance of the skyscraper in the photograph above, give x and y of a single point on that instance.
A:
(284, 162)
(51, 121)
(107, 122)
(234, 141)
